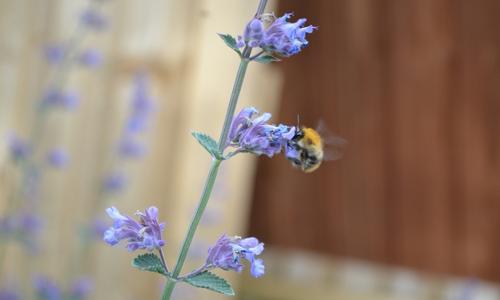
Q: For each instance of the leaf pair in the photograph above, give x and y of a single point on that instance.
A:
(206, 280)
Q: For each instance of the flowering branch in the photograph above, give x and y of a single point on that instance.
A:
(214, 168)
(247, 134)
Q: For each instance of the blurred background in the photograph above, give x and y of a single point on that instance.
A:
(98, 99)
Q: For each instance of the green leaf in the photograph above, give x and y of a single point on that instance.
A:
(210, 281)
(149, 262)
(208, 143)
(230, 42)
(265, 59)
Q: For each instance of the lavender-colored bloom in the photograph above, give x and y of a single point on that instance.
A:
(54, 54)
(23, 227)
(9, 294)
(115, 182)
(255, 135)
(19, 148)
(281, 37)
(29, 223)
(91, 58)
(137, 123)
(141, 105)
(81, 288)
(286, 38)
(57, 158)
(68, 100)
(131, 149)
(254, 33)
(94, 19)
(145, 234)
(228, 252)
(46, 289)
(97, 228)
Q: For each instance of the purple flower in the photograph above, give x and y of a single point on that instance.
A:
(91, 58)
(93, 19)
(29, 223)
(281, 37)
(57, 158)
(228, 252)
(9, 294)
(115, 182)
(46, 289)
(19, 149)
(254, 33)
(255, 135)
(24, 224)
(141, 105)
(54, 54)
(80, 289)
(131, 149)
(67, 100)
(97, 228)
(145, 234)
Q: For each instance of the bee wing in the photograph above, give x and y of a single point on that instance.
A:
(333, 144)
(334, 148)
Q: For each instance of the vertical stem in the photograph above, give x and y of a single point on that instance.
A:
(261, 7)
(212, 175)
(214, 168)
(238, 82)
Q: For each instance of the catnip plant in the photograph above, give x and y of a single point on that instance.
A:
(274, 38)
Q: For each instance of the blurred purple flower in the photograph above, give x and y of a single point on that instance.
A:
(115, 182)
(68, 100)
(97, 228)
(255, 135)
(228, 252)
(141, 105)
(94, 19)
(58, 158)
(46, 288)
(29, 223)
(281, 37)
(81, 289)
(145, 234)
(129, 148)
(25, 225)
(54, 54)
(91, 58)
(9, 294)
(19, 149)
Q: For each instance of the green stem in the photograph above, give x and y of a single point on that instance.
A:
(238, 82)
(212, 175)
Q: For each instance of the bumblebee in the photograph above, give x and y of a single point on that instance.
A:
(306, 150)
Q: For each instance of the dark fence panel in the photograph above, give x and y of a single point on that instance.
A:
(414, 86)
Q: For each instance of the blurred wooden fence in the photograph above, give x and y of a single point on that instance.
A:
(414, 86)
(191, 73)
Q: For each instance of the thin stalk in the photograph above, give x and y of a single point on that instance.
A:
(238, 82)
(212, 175)
(214, 167)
